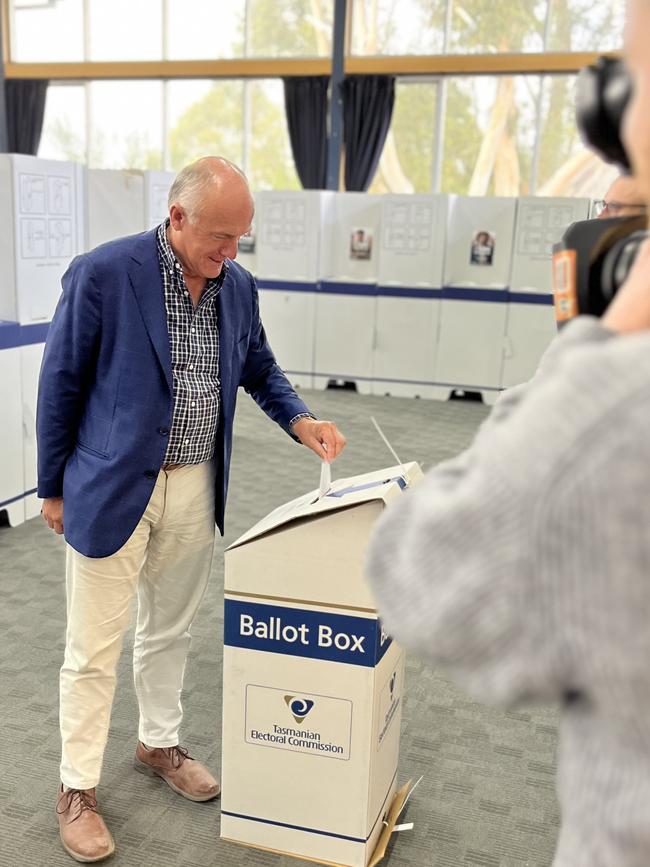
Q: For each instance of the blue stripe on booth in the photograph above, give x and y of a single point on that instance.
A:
(13, 334)
(329, 287)
(408, 292)
(544, 298)
(467, 293)
(286, 285)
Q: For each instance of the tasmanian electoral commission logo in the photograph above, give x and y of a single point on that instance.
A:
(299, 707)
(389, 703)
(320, 725)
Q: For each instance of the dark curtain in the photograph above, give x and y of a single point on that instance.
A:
(25, 100)
(367, 110)
(305, 99)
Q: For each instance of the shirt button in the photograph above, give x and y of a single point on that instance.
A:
(191, 367)
(193, 403)
(186, 292)
(187, 442)
(193, 330)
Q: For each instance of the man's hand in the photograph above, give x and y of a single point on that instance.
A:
(630, 309)
(323, 437)
(52, 513)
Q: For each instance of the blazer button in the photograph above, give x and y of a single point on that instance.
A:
(163, 431)
(150, 474)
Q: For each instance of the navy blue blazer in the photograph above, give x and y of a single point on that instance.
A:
(105, 392)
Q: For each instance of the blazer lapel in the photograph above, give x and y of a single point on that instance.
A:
(146, 280)
(225, 327)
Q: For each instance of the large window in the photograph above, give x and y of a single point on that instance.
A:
(488, 135)
(75, 30)
(407, 163)
(488, 143)
(155, 124)
(65, 124)
(124, 30)
(125, 124)
(204, 30)
(205, 117)
(485, 26)
(47, 31)
(475, 133)
(289, 28)
(268, 160)
(389, 27)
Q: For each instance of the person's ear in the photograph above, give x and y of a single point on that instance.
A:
(177, 216)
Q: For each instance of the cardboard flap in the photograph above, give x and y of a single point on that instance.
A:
(399, 799)
(378, 485)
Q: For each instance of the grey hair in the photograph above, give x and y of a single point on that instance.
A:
(192, 183)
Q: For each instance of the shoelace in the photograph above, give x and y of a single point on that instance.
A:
(83, 801)
(177, 755)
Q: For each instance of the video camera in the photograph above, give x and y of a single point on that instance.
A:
(593, 259)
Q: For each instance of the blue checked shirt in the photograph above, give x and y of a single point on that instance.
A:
(194, 347)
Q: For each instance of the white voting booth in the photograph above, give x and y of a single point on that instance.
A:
(114, 204)
(31, 357)
(530, 325)
(247, 246)
(474, 304)
(288, 248)
(42, 205)
(121, 202)
(411, 257)
(346, 301)
(312, 688)
(12, 485)
(156, 193)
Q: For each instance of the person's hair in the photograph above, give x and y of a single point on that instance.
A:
(192, 183)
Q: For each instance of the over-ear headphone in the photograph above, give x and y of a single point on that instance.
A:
(603, 91)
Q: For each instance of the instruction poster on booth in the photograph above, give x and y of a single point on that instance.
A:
(45, 206)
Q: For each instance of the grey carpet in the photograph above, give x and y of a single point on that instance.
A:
(487, 798)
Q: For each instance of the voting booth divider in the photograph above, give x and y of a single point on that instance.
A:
(312, 688)
(42, 205)
(475, 294)
(407, 295)
(530, 324)
(287, 246)
(410, 276)
(347, 291)
(12, 486)
(120, 202)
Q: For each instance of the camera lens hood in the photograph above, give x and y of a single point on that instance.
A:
(618, 261)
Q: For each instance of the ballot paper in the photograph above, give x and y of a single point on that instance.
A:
(325, 479)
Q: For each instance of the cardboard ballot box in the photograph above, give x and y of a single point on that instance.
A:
(312, 686)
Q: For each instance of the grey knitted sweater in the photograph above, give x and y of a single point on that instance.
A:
(523, 568)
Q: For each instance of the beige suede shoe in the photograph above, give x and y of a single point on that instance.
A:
(179, 770)
(83, 831)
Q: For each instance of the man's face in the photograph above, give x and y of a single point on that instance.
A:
(203, 243)
(636, 125)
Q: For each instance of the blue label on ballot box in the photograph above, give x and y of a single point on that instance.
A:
(304, 632)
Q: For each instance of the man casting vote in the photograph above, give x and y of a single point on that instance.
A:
(151, 339)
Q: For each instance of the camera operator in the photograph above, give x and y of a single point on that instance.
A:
(523, 565)
(624, 198)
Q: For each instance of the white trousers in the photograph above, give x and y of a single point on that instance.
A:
(167, 562)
